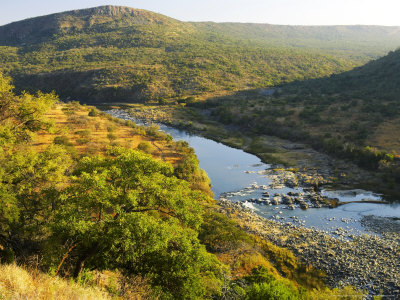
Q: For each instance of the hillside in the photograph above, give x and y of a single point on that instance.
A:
(353, 115)
(357, 42)
(18, 283)
(113, 53)
(362, 103)
(95, 207)
(377, 79)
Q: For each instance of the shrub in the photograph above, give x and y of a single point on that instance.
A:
(273, 290)
(264, 286)
(146, 147)
(220, 233)
(93, 112)
(111, 137)
(153, 130)
(82, 141)
(129, 123)
(111, 128)
(83, 133)
(62, 140)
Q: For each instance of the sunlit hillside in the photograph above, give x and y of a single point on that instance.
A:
(123, 54)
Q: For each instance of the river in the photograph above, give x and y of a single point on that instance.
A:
(239, 176)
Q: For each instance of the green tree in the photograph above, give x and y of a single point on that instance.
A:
(25, 176)
(128, 211)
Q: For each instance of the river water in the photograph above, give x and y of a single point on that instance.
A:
(236, 174)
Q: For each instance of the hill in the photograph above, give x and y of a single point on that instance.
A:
(362, 103)
(352, 115)
(377, 79)
(113, 53)
(357, 42)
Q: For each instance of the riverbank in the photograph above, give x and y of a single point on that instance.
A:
(368, 262)
(320, 168)
(316, 247)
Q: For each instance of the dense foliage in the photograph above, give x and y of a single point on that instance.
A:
(121, 211)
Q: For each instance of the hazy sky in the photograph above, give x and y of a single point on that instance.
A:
(300, 12)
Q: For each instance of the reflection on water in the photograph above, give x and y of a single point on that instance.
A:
(233, 170)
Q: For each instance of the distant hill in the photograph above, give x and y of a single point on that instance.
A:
(112, 53)
(361, 106)
(358, 42)
(42, 29)
(376, 79)
(339, 113)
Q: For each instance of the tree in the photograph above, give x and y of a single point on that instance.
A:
(21, 115)
(25, 175)
(128, 211)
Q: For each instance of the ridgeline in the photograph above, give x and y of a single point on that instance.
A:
(122, 54)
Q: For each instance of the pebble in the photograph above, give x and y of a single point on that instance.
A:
(368, 261)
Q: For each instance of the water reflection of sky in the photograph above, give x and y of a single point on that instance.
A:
(224, 165)
(227, 168)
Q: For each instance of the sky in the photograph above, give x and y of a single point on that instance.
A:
(292, 12)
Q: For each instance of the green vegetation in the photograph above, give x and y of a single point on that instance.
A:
(146, 147)
(353, 115)
(123, 210)
(79, 202)
(122, 54)
(147, 228)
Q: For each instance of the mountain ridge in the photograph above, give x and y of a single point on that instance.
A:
(289, 34)
(112, 53)
(55, 23)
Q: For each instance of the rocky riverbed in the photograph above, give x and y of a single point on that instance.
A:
(370, 262)
(287, 181)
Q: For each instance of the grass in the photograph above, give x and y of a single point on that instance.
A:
(93, 134)
(18, 283)
(385, 135)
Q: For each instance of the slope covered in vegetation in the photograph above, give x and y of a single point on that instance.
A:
(353, 115)
(122, 221)
(123, 54)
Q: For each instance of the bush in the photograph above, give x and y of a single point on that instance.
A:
(153, 131)
(146, 147)
(264, 286)
(220, 233)
(82, 141)
(93, 112)
(83, 133)
(273, 290)
(111, 137)
(62, 140)
(111, 128)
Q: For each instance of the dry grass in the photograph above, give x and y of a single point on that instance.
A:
(386, 136)
(94, 134)
(17, 283)
(244, 259)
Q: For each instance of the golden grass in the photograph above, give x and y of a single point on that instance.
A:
(100, 133)
(18, 283)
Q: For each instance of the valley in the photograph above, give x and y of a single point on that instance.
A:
(246, 187)
(144, 157)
